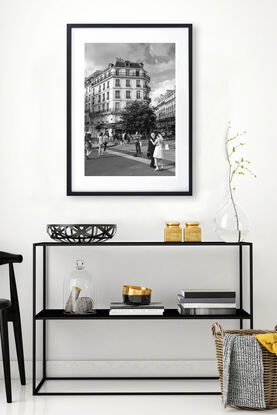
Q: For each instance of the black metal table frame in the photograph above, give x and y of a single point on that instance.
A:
(170, 314)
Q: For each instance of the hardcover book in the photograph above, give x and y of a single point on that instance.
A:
(208, 293)
(136, 312)
(182, 299)
(152, 306)
(208, 305)
(205, 311)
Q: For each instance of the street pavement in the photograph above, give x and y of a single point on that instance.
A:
(120, 160)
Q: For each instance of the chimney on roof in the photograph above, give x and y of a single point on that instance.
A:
(141, 64)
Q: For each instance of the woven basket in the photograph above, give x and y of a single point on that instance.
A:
(269, 363)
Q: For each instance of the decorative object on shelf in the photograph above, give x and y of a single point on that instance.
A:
(71, 304)
(192, 232)
(232, 224)
(81, 233)
(118, 109)
(85, 305)
(79, 293)
(269, 362)
(133, 295)
(173, 232)
(120, 309)
(229, 221)
(206, 302)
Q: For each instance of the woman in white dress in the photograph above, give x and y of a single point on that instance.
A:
(158, 152)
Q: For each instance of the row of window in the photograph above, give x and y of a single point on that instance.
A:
(168, 109)
(103, 107)
(117, 84)
(167, 112)
(128, 83)
(118, 95)
(104, 97)
(164, 116)
(118, 72)
(127, 94)
(106, 106)
(128, 72)
(105, 75)
(103, 86)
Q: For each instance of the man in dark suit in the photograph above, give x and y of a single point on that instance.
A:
(151, 148)
(137, 138)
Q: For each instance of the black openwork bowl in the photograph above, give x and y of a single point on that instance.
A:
(81, 233)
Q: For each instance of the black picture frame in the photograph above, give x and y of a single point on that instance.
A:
(71, 192)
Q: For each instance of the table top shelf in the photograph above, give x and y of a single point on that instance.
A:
(146, 243)
(169, 314)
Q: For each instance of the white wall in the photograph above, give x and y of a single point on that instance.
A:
(235, 79)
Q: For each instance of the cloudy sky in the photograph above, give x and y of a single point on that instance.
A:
(158, 59)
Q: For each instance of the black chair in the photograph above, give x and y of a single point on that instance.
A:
(9, 311)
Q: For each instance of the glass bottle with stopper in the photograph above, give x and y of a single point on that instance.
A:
(79, 293)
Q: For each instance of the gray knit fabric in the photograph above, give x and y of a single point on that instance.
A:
(243, 372)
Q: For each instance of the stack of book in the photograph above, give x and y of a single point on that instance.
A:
(204, 302)
(121, 309)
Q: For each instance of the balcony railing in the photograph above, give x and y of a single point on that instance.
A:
(144, 76)
(109, 111)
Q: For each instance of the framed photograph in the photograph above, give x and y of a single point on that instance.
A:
(129, 109)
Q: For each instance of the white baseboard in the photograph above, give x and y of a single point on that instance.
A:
(120, 368)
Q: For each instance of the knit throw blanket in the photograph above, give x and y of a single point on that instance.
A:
(243, 372)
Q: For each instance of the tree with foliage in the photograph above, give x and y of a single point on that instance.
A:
(139, 116)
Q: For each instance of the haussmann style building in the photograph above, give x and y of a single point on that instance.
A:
(165, 112)
(109, 92)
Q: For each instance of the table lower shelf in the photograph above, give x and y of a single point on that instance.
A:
(169, 314)
(128, 386)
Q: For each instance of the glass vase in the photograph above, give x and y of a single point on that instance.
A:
(78, 291)
(232, 224)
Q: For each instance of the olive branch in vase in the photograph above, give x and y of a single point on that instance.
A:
(240, 166)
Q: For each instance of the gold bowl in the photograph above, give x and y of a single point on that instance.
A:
(134, 295)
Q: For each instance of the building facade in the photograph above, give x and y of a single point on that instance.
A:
(109, 92)
(165, 112)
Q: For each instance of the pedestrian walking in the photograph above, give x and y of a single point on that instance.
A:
(158, 152)
(137, 138)
(88, 148)
(110, 135)
(151, 148)
(105, 140)
(115, 138)
(100, 144)
(123, 138)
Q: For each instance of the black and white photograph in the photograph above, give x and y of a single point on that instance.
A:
(129, 109)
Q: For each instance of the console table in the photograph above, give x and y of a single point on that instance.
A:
(45, 314)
